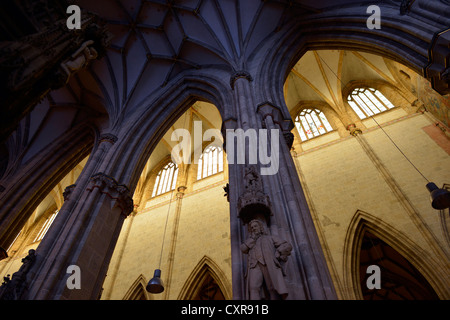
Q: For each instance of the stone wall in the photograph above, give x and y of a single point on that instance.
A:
(341, 179)
(203, 230)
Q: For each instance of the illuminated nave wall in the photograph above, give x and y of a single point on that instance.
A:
(197, 238)
(369, 204)
(39, 223)
(353, 186)
(364, 195)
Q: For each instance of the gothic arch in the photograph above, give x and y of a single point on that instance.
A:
(204, 269)
(394, 41)
(137, 290)
(420, 259)
(144, 129)
(35, 180)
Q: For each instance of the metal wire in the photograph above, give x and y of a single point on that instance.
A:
(371, 116)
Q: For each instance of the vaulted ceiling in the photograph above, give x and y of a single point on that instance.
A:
(322, 75)
(154, 41)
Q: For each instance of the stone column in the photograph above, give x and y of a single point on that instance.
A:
(275, 199)
(83, 235)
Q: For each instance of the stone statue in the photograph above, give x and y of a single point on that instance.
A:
(79, 59)
(11, 289)
(265, 266)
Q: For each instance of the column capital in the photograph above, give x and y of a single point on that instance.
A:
(117, 192)
(229, 123)
(180, 192)
(267, 109)
(67, 191)
(240, 74)
(108, 137)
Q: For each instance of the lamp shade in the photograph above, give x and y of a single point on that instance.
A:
(155, 285)
(440, 198)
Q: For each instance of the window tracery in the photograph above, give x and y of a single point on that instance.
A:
(210, 162)
(311, 123)
(367, 102)
(166, 179)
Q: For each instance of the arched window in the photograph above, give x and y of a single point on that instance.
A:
(45, 226)
(210, 162)
(312, 123)
(166, 179)
(367, 102)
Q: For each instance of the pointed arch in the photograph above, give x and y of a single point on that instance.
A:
(206, 269)
(421, 260)
(137, 290)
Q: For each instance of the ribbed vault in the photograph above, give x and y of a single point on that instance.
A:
(155, 41)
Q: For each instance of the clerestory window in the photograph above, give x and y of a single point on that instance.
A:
(166, 179)
(367, 102)
(47, 224)
(210, 162)
(311, 123)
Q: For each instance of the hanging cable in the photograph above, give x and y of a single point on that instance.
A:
(440, 198)
(379, 126)
(165, 228)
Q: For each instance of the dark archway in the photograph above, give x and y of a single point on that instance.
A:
(206, 282)
(209, 290)
(329, 30)
(400, 280)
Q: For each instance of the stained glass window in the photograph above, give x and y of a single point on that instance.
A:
(311, 123)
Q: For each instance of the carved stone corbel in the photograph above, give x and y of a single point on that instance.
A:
(180, 192)
(253, 202)
(354, 130)
(289, 138)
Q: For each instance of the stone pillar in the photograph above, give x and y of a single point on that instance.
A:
(83, 235)
(310, 278)
(277, 202)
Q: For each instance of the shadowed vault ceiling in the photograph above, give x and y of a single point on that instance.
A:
(154, 41)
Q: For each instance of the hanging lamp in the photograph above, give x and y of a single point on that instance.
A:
(440, 198)
(156, 285)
